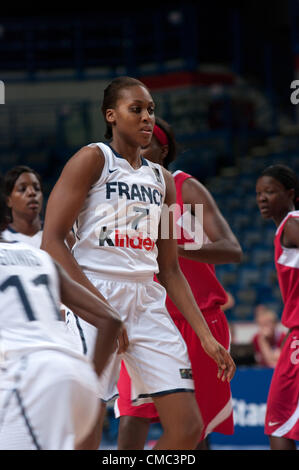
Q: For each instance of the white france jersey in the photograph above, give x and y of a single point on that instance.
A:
(117, 228)
(29, 303)
(11, 235)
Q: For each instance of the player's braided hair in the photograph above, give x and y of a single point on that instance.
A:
(111, 95)
(286, 176)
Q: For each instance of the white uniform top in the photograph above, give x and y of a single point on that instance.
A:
(29, 303)
(11, 235)
(117, 228)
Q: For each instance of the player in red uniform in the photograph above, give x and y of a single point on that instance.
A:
(277, 192)
(219, 246)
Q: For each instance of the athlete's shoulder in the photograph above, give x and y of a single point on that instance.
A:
(8, 234)
(290, 220)
(179, 174)
(25, 248)
(93, 151)
(23, 245)
(85, 165)
(291, 231)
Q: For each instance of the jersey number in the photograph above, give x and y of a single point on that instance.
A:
(141, 213)
(41, 280)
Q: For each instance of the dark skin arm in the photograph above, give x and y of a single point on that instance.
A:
(64, 205)
(290, 239)
(224, 247)
(70, 240)
(290, 235)
(178, 289)
(95, 311)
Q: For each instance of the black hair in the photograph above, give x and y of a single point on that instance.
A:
(286, 176)
(4, 216)
(111, 95)
(13, 174)
(172, 145)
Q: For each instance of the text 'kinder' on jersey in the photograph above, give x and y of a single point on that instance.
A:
(117, 227)
(115, 238)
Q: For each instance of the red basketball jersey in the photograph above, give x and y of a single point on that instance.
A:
(201, 277)
(287, 267)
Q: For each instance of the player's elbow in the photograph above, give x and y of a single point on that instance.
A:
(238, 254)
(166, 276)
(234, 251)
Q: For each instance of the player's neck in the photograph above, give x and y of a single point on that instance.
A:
(279, 217)
(130, 152)
(26, 226)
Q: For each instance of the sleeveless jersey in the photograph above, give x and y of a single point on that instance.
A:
(287, 267)
(29, 299)
(11, 235)
(117, 228)
(201, 277)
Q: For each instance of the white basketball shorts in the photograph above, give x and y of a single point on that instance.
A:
(48, 401)
(157, 358)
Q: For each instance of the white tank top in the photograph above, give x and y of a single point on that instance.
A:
(11, 235)
(29, 300)
(117, 228)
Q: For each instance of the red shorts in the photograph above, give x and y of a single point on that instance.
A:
(282, 415)
(213, 396)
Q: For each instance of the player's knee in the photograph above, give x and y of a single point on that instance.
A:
(132, 432)
(188, 432)
(194, 428)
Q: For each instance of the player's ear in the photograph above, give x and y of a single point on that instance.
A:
(291, 194)
(165, 150)
(110, 116)
(8, 202)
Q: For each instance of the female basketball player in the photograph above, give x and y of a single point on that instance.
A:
(220, 245)
(277, 194)
(115, 198)
(24, 198)
(23, 188)
(48, 391)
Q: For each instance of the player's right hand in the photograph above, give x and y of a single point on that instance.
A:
(223, 359)
(123, 341)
